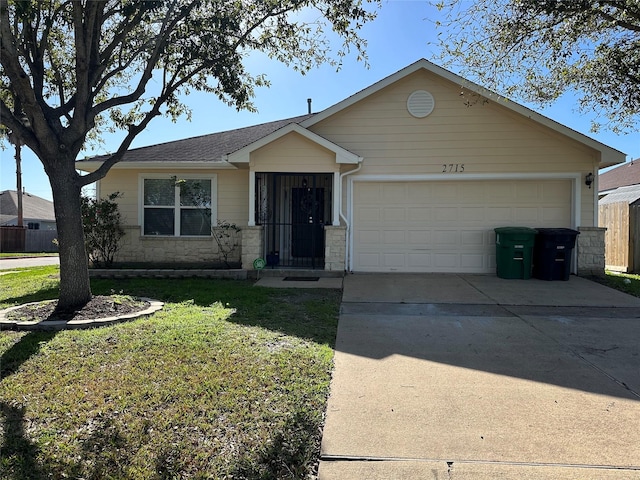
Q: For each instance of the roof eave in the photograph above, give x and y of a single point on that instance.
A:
(90, 166)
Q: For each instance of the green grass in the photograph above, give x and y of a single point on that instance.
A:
(227, 381)
(625, 282)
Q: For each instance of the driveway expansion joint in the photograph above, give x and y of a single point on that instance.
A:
(451, 463)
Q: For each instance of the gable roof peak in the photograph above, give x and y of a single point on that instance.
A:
(609, 156)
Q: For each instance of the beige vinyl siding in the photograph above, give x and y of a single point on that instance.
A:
(486, 137)
(293, 153)
(125, 182)
(233, 196)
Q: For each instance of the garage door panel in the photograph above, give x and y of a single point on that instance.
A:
(393, 193)
(394, 237)
(527, 215)
(394, 214)
(446, 261)
(445, 237)
(555, 192)
(394, 260)
(368, 237)
(495, 214)
(369, 215)
(553, 217)
(446, 214)
(419, 237)
(473, 238)
(472, 214)
(472, 261)
(420, 259)
(447, 226)
(418, 214)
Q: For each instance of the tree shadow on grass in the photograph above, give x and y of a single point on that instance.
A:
(308, 314)
(292, 453)
(39, 296)
(17, 453)
(23, 350)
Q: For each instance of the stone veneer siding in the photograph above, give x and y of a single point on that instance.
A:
(251, 246)
(590, 245)
(335, 248)
(137, 248)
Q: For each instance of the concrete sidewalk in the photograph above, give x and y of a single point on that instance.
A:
(475, 377)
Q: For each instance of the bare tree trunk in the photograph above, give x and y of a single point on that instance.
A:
(75, 288)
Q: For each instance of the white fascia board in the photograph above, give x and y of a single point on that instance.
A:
(608, 156)
(219, 165)
(342, 155)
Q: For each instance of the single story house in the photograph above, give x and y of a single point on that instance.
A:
(411, 174)
(37, 212)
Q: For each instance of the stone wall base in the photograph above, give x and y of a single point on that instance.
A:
(590, 248)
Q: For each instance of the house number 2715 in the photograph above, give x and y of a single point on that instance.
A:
(453, 168)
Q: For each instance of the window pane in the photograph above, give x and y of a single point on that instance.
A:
(195, 221)
(159, 221)
(195, 193)
(159, 191)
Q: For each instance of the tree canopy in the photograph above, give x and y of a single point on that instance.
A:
(76, 68)
(538, 49)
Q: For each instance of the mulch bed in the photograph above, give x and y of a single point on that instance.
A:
(100, 306)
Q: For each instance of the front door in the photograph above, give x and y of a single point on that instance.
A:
(307, 214)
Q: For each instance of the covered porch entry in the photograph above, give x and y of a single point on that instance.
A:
(293, 209)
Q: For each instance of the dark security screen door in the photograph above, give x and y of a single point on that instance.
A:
(294, 208)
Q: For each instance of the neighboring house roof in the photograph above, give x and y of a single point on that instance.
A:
(207, 149)
(621, 176)
(33, 207)
(630, 194)
(609, 156)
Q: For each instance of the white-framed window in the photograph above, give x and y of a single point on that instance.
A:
(177, 205)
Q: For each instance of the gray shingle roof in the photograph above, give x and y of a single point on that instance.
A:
(622, 176)
(211, 147)
(33, 207)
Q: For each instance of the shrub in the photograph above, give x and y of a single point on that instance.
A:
(102, 229)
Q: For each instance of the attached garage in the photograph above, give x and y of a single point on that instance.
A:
(447, 226)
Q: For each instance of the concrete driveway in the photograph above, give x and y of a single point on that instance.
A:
(476, 377)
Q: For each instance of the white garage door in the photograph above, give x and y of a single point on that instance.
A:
(447, 226)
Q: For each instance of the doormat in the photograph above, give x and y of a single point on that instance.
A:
(301, 279)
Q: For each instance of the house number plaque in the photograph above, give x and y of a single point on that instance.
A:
(453, 168)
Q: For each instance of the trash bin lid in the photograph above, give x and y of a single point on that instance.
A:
(557, 231)
(515, 230)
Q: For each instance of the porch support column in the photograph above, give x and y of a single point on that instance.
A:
(337, 197)
(252, 198)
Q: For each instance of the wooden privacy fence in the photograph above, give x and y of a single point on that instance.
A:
(41, 241)
(14, 239)
(622, 238)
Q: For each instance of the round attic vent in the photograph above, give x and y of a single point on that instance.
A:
(420, 103)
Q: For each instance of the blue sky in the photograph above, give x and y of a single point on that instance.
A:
(403, 33)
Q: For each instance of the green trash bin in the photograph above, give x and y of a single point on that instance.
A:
(514, 252)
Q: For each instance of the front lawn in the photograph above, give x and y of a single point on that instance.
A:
(227, 381)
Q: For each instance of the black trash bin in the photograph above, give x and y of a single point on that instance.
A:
(552, 252)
